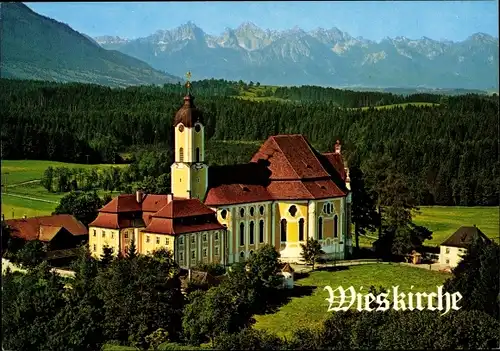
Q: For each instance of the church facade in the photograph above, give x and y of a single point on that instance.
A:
(287, 193)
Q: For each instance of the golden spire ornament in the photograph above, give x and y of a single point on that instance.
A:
(188, 82)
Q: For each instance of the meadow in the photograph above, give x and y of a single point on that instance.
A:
(22, 193)
(308, 307)
(443, 221)
(403, 105)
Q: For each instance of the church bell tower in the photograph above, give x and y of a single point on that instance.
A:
(189, 173)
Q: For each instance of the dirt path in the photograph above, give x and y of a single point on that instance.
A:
(30, 198)
(23, 183)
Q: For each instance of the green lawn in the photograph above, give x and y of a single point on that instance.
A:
(445, 220)
(20, 207)
(310, 310)
(15, 174)
(404, 105)
(253, 94)
(19, 171)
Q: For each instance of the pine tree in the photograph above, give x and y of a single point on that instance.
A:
(132, 251)
(364, 214)
(107, 256)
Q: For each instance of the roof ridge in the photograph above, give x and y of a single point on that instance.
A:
(286, 158)
(316, 154)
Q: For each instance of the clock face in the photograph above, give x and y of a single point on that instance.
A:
(181, 128)
(197, 128)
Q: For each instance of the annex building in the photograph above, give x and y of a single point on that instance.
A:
(288, 192)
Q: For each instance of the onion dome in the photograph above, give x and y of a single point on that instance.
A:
(188, 114)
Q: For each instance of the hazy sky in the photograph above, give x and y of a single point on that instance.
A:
(451, 20)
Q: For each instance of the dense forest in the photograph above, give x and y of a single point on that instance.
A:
(448, 152)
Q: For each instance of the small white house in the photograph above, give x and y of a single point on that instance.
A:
(288, 276)
(453, 248)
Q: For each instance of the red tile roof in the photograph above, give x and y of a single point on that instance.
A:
(106, 220)
(153, 203)
(179, 208)
(127, 209)
(290, 157)
(128, 203)
(236, 193)
(122, 203)
(31, 228)
(295, 172)
(336, 161)
(169, 226)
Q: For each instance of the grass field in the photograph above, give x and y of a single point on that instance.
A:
(253, 94)
(164, 346)
(20, 171)
(310, 309)
(445, 220)
(23, 194)
(417, 104)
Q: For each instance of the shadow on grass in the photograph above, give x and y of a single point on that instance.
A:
(283, 296)
(300, 275)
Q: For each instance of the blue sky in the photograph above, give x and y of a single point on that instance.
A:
(450, 20)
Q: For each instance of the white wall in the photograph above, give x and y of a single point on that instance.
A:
(450, 256)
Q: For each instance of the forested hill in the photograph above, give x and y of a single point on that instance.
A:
(37, 47)
(449, 152)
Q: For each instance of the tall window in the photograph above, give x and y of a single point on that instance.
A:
(252, 230)
(320, 228)
(261, 231)
(335, 227)
(283, 230)
(242, 234)
(181, 154)
(197, 154)
(301, 229)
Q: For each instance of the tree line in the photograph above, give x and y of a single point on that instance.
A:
(350, 98)
(438, 148)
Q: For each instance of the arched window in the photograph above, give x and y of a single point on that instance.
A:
(261, 231)
(242, 234)
(197, 154)
(181, 154)
(292, 210)
(252, 231)
(283, 230)
(320, 228)
(335, 227)
(261, 210)
(242, 254)
(252, 211)
(223, 214)
(242, 212)
(301, 229)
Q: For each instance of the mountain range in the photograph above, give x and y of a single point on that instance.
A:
(37, 47)
(325, 57)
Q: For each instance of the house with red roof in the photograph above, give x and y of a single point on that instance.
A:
(288, 192)
(61, 234)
